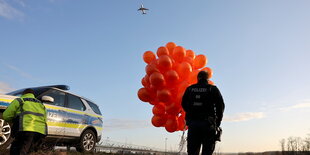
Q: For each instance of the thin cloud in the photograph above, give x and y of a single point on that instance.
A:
(20, 72)
(119, 124)
(244, 116)
(53, 1)
(20, 2)
(7, 11)
(5, 88)
(302, 105)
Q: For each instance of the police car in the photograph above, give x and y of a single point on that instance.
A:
(72, 120)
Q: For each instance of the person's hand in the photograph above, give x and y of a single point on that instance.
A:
(218, 134)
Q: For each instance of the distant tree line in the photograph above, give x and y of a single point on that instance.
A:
(295, 146)
(262, 153)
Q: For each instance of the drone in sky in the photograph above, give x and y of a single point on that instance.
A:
(142, 9)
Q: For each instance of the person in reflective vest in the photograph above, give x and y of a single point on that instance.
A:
(204, 107)
(28, 116)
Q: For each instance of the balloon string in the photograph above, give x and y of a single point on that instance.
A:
(182, 141)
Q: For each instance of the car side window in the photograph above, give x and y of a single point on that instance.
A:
(59, 97)
(94, 107)
(75, 102)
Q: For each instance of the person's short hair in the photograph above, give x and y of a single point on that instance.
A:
(202, 75)
(27, 91)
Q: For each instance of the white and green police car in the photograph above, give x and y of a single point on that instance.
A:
(72, 120)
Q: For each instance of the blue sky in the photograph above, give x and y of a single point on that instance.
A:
(258, 50)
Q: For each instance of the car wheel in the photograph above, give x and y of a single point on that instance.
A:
(87, 142)
(5, 133)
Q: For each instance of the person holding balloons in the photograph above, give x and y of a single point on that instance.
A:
(204, 107)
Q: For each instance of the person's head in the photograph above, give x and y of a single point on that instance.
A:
(27, 91)
(202, 75)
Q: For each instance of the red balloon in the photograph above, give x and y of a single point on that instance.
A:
(153, 102)
(162, 51)
(145, 81)
(190, 60)
(144, 95)
(211, 82)
(193, 76)
(200, 61)
(171, 124)
(163, 95)
(149, 69)
(183, 113)
(159, 120)
(153, 92)
(174, 92)
(157, 80)
(172, 77)
(159, 109)
(184, 70)
(148, 57)
(179, 97)
(171, 46)
(173, 109)
(178, 53)
(181, 123)
(182, 87)
(190, 53)
(164, 62)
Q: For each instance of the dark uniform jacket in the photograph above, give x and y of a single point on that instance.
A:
(202, 101)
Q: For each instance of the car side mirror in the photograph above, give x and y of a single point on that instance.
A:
(47, 99)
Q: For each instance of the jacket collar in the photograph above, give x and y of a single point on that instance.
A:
(29, 95)
(202, 81)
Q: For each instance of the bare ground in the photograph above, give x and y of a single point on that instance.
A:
(57, 152)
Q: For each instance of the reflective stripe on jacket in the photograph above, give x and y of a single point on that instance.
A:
(31, 112)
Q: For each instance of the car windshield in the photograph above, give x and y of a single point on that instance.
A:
(37, 92)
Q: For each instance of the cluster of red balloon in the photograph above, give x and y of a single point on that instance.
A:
(166, 79)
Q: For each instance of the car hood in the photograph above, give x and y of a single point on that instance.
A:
(5, 100)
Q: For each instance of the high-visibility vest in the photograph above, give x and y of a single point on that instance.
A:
(32, 116)
(31, 113)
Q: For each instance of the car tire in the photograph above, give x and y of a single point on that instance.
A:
(5, 133)
(87, 142)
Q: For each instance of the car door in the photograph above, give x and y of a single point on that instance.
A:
(75, 112)
(55, 112)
